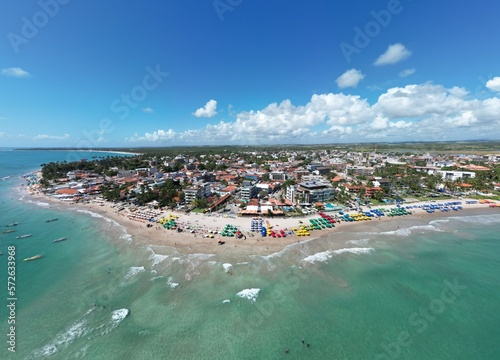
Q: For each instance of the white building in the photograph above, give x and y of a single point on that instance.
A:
(456, 175)
(249, 192)
(291, 193)
(193, 193)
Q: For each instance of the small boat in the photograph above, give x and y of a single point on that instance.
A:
(50, 220)
(13, 224)
(23, 236)
(33, 258)
(60, 239)
(8, 231)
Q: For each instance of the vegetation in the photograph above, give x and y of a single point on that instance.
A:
(57, 170)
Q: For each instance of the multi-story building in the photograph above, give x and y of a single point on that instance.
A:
(291, 193)
(299, 173)
(249, 192)
(197, 191)
(206, 190)
(313, 178)
(456, 175)
(322, 170)
(277, 175)
(359, 170)
(312, 192)
(314, 165)
(192, 193)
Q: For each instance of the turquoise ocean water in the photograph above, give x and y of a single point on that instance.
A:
(411, 288)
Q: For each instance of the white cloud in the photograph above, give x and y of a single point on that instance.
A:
(380, 122)
(407, 72)
(400, 124)
(2, 133)
(420, 112)
(51, 137)
(155, 136)
(350, 78)
(394, 54)
(494, 84)
(464, 119)
(209, 110)
(15, 72)
(147, 110)
(420, 100)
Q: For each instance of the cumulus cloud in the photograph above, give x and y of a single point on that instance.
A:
(421, 100)
(209, 110)
(407, 72)
(51, 137)
(155, 136)
(147, 110)
(494, 84)
(465, 119)
(380, 122)
(350, 78)
(15, 72)
(394, 54)
(414, 112)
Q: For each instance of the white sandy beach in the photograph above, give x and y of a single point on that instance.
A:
(195, 226)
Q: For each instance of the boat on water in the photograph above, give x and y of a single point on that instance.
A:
(12, 224)
(23, 236)
(60, 239)
(8, 231)
(33, 258)
(50, 220)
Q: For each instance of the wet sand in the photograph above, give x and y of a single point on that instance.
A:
(254, 244)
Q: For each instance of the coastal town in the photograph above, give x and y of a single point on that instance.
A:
(281, 183)
(322, 185)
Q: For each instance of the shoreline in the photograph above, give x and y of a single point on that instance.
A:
(197, 225)
(79, 150)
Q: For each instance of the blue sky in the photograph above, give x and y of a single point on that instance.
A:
(162, 73)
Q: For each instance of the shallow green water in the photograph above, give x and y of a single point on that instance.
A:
(420, 291)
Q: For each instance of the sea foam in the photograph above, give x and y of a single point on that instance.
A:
(227, 267)
(126, 237)
(133, 271)
(478, 219)
(156, 258)
(358, 242)
(117, 317)
(250, 294)
(63, 339)
(321, 257)
(408, 231)
(353, 251)
(171, 283)
(324, 256)
(99, 216)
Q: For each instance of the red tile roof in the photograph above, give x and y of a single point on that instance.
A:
(67, 191)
